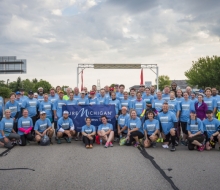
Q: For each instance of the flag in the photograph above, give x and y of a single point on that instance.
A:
(82, 80)
(142, 77)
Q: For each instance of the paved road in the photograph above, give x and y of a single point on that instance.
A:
(71, 166)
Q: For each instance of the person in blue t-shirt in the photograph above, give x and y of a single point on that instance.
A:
(139, 106)
(158, 102)
(43, 127)
(47, 106)
(93, 100)
(57, 108)
(52, 97)
(65, 128)
(193, 98)
(14, 107)
(106, 132)
(120, 94)
(83, 100)
(25, 126)
(166, 94)
(135, 129)
(40, 94)
(210, 101)
(212, 130)
(185, 106)
(88, 132)
(6, 130)
(32, 105)
(179, 96)
(76, 93)
(71, 100)
(102, 98)
(195, 132)
(168, 123)
(122, 122)
(19, 100)
(174, 105)
(126, 102)
(148, 98)
(132, 96)
(116, 102)
(151, 130)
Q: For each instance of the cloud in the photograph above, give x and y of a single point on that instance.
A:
(57, 12)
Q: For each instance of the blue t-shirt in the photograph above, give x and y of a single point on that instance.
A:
(20, 104)
(24, 97)
(93, 101)
(24, 123)
(139, 106)
(148, 98)
(102, 100)
(218, 103)
(174, 106)
(151, 126)
(195, 126)
(132, 98)
(40, 98)
(65, 124)
(195, 100)
(71, 102)
(179, 99)
(120, 96)
(117, 104)
(126, 103)
(6, 125)
(76, 97)
(53, 98)
(88, 129)
(166, 97)
(47, 107)
(216, 96)
(167, 121)
(123, 121)
(83, 101)
(13, 107)
(105, 127)
(211, 126)
(186, 107)
(58, 107)
(211, 102)
(31, 105)
(42, 125)
(158, 104)
(135, 123)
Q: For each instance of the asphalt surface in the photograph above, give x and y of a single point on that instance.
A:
(71, 166)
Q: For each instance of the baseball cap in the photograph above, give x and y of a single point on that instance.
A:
(17, 93)
(83, 92)
(92, 92)
(42, 112)
(30, 92)
(65, 112)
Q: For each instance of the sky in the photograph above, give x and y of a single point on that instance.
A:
(54, 36)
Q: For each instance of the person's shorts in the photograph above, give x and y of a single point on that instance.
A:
(151, 135)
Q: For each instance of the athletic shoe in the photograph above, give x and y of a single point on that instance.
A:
(51, 141)
(69, 140)
(201, 148)
(76, 139)
(87, 146)
(136, 145)
(165, 146)
(110, 144)
(173, 148)
(153, 144)
(58, 141)
(161, 139)
(106, 145)
(183, 143)
(158, 140)
(90, 146)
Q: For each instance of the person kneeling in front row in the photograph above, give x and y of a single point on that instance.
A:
(88, 132)
(151, 130)
(43, 127)
(105, 132)
(65, 128)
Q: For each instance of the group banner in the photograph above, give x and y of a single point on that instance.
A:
(79, 113)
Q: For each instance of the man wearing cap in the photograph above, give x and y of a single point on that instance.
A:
(57, 108)
(67, 96)
(93, 100)
(47, 106)
(43, 127)
(40, 94)
(76, 93)
(212, 130)
(23, 97)
(32, 105)
(71, 100)
(65, 128)
(83, 100)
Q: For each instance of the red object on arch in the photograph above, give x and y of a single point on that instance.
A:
(142, 77)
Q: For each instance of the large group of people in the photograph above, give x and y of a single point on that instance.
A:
(143, 116)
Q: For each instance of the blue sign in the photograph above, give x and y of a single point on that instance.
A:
(79, 113)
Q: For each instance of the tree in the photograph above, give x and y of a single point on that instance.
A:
(35, 81)
(5, 92)
(27, 85)
(163, 80)
(13, 86)
(2, 83)
(44, 84)
(204, 72)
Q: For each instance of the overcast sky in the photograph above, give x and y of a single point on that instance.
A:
(55, 35)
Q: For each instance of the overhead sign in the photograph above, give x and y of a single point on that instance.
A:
(148, 83)
(116, 66)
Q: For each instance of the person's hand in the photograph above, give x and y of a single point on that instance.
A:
(191, 135)
(116, 116)
(211, 138)
(90, 137)
(44, 133)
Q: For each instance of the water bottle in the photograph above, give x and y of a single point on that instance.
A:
(100, 141)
